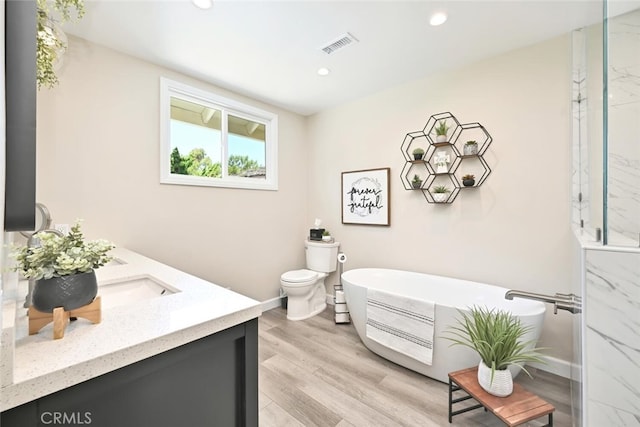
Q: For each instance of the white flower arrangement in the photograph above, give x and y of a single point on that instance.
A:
(61, 255)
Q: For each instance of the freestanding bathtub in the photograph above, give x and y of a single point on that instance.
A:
(449, 296)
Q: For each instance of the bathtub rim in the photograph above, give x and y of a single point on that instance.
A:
(537, 307)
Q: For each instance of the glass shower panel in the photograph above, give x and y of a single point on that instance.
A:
(587, 106)
(622, 155)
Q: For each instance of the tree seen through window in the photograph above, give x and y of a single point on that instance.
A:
(197, 163)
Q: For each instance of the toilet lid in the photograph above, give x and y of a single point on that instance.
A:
(298, 276)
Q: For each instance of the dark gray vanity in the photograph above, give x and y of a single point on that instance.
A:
(209, 382)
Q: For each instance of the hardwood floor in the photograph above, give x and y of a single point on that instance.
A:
(316, 373)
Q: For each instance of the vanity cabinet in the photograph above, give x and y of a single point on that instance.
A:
(449, 152)
(212, 381)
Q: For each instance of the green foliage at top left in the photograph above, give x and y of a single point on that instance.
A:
(51, 15)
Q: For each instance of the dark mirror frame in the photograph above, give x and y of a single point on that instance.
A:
(20, 101)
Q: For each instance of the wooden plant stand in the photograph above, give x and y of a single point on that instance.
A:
(60, 318)
(518, 408)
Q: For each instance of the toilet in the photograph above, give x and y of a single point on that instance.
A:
(304, 288)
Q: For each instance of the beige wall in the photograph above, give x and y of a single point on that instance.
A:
(513, 231)
(98, 159)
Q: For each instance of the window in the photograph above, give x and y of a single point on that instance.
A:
(214, 141)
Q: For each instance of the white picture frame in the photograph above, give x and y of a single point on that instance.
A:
(365, 197)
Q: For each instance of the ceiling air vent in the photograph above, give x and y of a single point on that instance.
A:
(342, 41)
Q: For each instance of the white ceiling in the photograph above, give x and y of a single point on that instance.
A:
(270, 50)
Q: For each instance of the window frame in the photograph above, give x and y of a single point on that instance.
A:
(170, 88)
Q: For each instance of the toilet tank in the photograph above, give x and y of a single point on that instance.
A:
(322, 257)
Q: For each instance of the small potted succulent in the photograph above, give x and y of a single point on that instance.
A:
(498, 338)
(468, 180)
(440, 193)
(62, 268)
(326, 236)
(418, 153)
(441, 130)
(470, 148)
(416, 182)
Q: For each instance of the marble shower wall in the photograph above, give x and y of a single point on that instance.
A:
(610, 365)
(612, 339)
(624, 130)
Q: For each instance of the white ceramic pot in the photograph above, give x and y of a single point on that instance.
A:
(502, 384)
(470, 149)
(440, 197)
(441, 138)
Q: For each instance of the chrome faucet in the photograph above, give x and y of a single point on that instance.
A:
(34, 242)
(569, 302)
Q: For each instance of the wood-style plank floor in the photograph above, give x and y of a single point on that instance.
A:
(316, 373)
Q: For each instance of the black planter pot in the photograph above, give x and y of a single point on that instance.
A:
(418, 156)
(416, 185)
(70, 292)
(468, 182)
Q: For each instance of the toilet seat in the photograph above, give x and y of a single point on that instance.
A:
(299, 277)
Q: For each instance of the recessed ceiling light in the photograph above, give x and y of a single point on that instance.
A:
(323, 71)
(438, 18)
(203, 4)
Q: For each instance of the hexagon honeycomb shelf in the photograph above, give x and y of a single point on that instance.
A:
(446, 153)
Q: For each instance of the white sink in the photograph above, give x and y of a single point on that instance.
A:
(132, 290)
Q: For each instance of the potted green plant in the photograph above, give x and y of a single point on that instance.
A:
(50, 40)
(468, 180)
(62, 268)
(418, 153)
(470, 148)
(441, 130)
(417, 181)
(440, 193)
(498, 338)
(326, 236)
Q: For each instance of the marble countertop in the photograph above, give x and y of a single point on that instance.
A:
(126, 334)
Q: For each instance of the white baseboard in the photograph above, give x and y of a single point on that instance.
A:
(271, 303)
(555, 366)
(276, 302)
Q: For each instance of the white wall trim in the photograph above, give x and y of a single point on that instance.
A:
(270, 304)
(275, 303)
(556, 366)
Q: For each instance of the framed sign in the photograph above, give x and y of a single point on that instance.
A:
(365, 197)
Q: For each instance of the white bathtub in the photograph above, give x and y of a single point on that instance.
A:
(449, 295)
